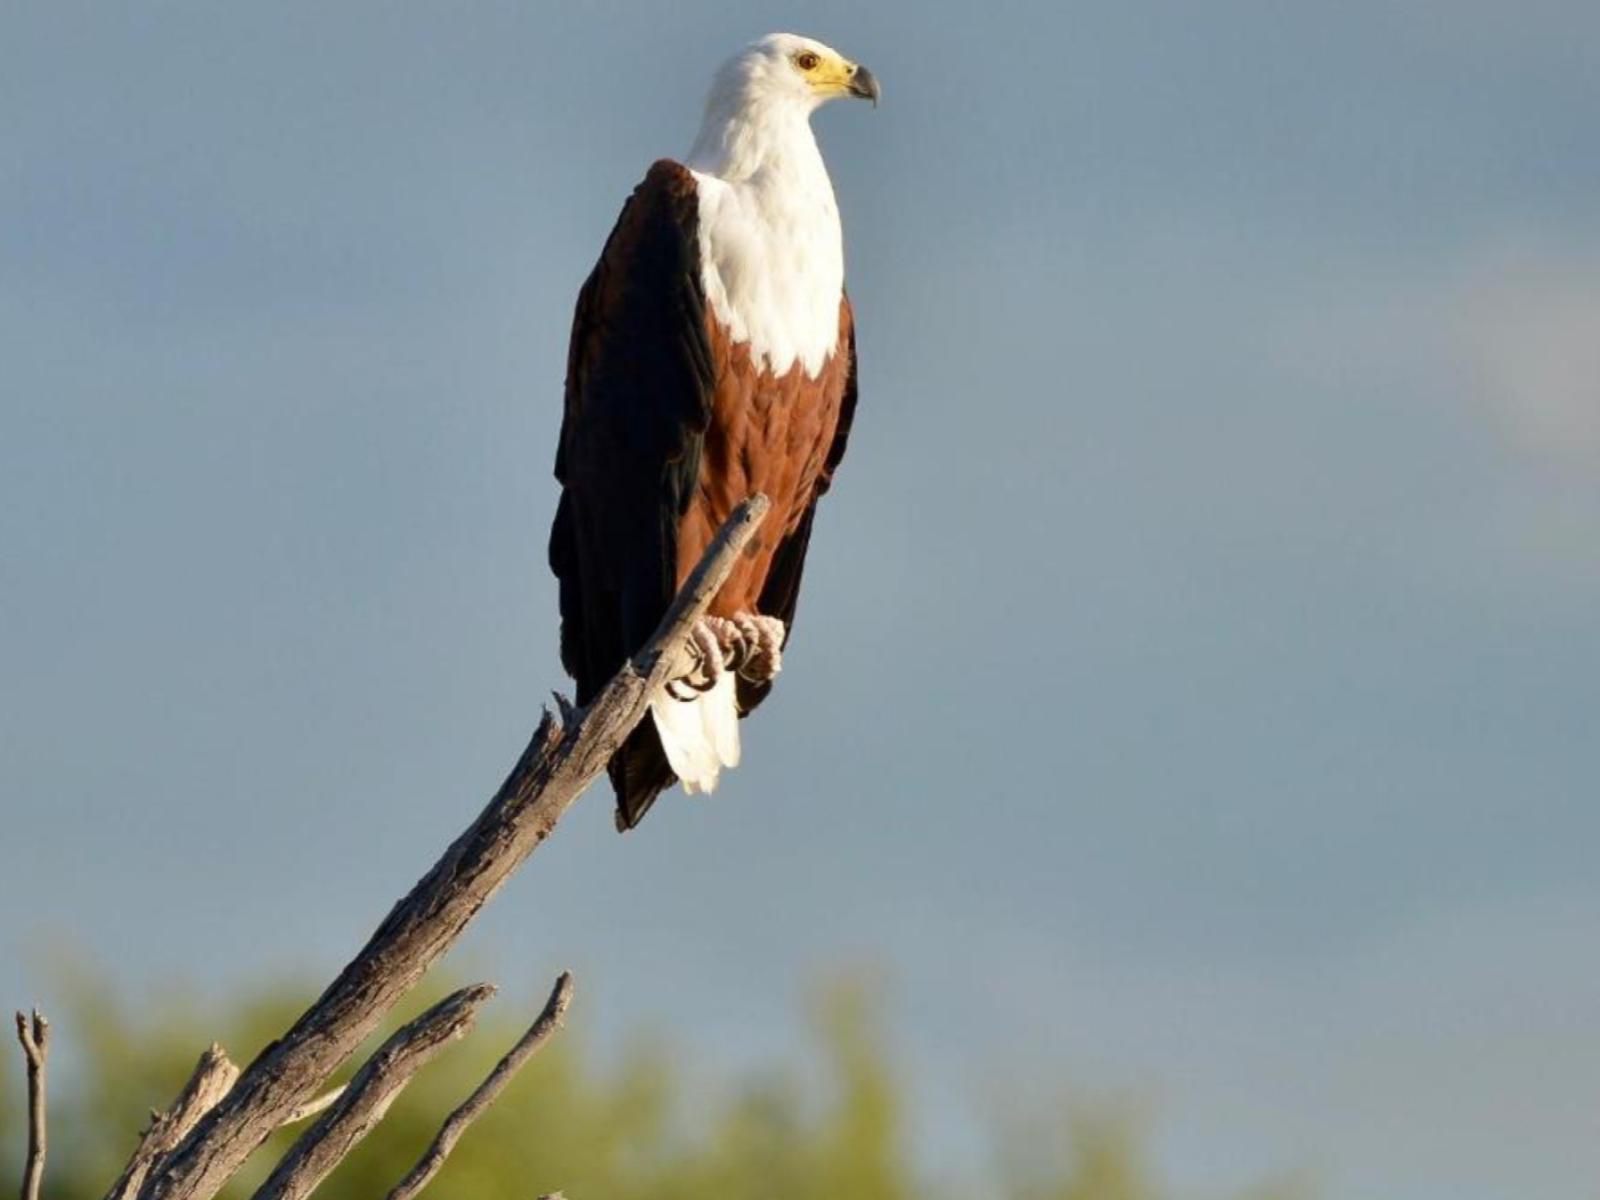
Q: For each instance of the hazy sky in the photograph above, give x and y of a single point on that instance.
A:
(1195, 691)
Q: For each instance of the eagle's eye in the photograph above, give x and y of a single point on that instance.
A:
(807, 60)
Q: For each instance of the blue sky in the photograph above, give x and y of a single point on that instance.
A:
(1194, 693)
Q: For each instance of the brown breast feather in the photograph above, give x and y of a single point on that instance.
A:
(768, 433)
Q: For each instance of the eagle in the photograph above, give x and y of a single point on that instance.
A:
(712, 356)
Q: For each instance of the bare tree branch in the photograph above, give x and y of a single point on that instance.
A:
(364, 1103)
(487, 1092)
(34, 1034)
(558, 764)
(213, 1075)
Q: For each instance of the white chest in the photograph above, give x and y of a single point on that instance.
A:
(772, 263)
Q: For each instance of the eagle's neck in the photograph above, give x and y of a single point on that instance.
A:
(771, 250)
(743, 136)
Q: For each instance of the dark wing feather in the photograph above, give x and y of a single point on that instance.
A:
(638, 397)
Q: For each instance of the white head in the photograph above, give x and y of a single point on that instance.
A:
(770, 86)
(789, 70)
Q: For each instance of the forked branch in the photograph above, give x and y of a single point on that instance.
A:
(33, 1031)
(363, 1104)
(558, 764)
(487, 1092)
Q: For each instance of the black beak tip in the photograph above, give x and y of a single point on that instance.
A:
(864, 83)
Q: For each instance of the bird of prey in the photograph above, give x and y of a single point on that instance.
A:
(712, 356)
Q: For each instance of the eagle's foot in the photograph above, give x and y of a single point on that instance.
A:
(747, 644)
(760, 655)
(708, 647)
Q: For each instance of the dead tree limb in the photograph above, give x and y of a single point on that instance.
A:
(213, 1075)
(558, 764)
(357, 1112)
(486, 1092)
(33, 1032)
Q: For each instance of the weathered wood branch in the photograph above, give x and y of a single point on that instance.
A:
(384, 1076)
(213, 1075)
(33, 1032)
(487, 1092)
(557, 766)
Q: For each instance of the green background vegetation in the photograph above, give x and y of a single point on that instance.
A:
(640, 1126)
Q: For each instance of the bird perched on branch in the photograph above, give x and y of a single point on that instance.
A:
(712, 357)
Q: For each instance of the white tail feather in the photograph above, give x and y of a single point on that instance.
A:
(700, 736)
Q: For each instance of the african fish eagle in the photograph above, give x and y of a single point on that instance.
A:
(712, 356)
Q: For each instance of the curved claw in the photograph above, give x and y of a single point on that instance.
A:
(705, 648)
(761, 641)
(681, 689)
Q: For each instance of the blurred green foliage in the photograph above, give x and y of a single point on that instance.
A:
(633, 1129)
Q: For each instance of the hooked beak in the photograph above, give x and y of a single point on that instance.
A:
(864, 84)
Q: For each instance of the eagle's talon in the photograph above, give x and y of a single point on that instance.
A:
(746, 644)
(725, 636)
(682, 690)
(761, 642)
(706, 651)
